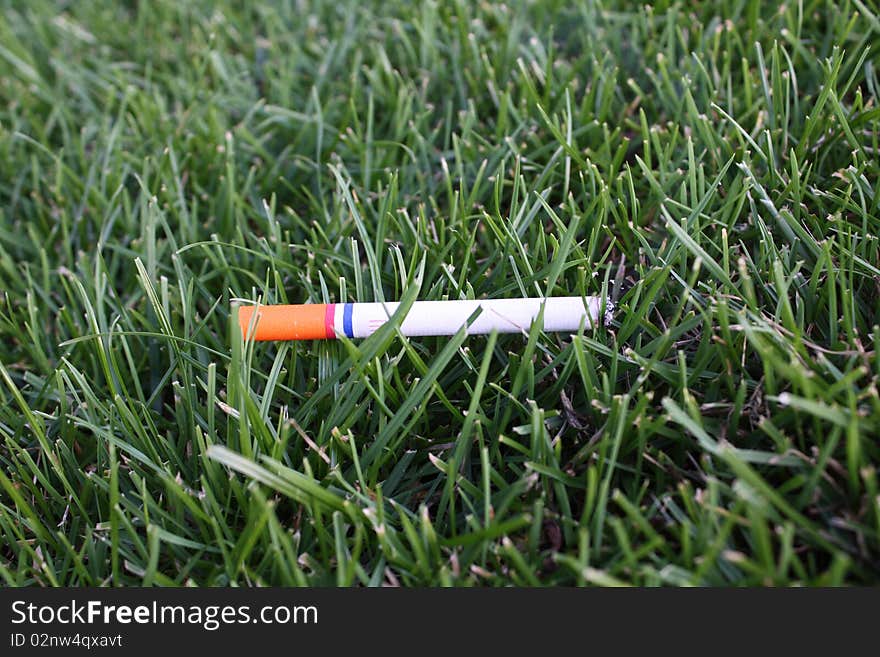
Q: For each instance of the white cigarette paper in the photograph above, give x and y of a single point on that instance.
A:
(359, 320)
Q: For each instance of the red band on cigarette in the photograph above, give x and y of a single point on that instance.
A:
(329, 316)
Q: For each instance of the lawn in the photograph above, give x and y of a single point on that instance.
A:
(710, 167)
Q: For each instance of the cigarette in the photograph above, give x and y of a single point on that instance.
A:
(425, 318)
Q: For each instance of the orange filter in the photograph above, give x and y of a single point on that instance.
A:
(312, 321)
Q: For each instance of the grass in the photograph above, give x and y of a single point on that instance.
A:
(711, 167)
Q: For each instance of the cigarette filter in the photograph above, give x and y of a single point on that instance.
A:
(359, 320)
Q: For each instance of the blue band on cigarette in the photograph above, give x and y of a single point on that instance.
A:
(346, 320)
